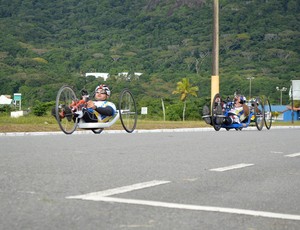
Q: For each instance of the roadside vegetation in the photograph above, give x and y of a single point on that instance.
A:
(46, 123)
(46, 45)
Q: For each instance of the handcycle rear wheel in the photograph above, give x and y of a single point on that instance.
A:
(127, 110)
(268, 114)
(63, 113)
(216, 123)
(259, 114)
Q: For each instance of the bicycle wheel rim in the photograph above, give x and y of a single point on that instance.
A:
(127, 110)
(268, 114)
(216, 126)
(259, 114)
(65, 97)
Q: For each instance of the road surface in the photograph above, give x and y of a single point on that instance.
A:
(151, 180)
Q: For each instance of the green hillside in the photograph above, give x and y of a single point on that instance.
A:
(45, 44)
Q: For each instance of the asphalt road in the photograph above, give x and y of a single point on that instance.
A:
(151, 180)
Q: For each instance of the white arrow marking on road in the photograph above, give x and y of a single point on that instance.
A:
(201, 208)
(119, 190)
(102, 196)
(196, 207)
(231, 167)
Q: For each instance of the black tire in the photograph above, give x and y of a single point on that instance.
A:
(259, 114)
(64, 99)
(217, 126)
(97, 131)
(268, 113)
(127, 110)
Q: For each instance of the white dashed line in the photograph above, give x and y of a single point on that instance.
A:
(293, 155)
(275, 152)
(237, 166)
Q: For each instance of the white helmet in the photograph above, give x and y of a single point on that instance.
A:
(103, 87)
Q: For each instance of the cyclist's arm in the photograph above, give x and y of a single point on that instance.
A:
(246, 110)
(107, 111)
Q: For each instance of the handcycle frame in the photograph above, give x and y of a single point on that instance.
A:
(126, 112)
(259, 113)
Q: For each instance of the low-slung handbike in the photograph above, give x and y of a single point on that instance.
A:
(126, 112)
(260, 114)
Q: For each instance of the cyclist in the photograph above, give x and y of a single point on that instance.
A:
(100, 109)
(237, 114)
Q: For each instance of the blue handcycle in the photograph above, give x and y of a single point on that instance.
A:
(260, 114)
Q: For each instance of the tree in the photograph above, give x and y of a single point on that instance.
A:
(184, 88)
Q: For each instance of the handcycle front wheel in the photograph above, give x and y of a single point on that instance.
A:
(268, 114)
(63, 112)
(215, 120)
(259, 114)
(128, 111)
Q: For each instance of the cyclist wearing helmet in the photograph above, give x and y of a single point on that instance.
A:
(100, 109)
(238, 112)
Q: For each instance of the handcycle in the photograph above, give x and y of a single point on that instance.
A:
(259, 113)
(126, 112)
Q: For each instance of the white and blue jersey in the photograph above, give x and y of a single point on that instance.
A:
(103, 104)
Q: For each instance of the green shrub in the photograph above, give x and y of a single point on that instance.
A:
(6, 109)
(41, 108)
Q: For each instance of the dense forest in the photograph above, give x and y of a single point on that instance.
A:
(46, 44)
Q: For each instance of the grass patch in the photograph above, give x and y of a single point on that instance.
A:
(28, 123)
(32, 123)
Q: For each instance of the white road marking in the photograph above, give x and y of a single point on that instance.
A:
(103, 196)
(275, 152)
(293, 155)
(231, 167)
(119, 190)
(198, 208)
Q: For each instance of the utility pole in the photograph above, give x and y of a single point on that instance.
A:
(215, 54)
(281, 90)
(250, 79)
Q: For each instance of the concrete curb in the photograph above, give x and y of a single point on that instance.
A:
(209, 129)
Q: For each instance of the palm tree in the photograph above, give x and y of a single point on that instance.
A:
(184, 88)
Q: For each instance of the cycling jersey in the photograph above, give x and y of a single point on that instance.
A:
(104, 104)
